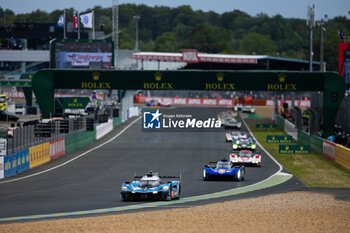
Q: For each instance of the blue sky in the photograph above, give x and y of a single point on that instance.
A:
(286, 8)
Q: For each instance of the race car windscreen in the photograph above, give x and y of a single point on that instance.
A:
(244, 154)
(149, 183)
(222, 165)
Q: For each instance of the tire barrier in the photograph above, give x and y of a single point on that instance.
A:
(57, 148)
(16, 163)
(39, 154)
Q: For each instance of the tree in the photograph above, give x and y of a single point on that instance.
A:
(255, 43)
(166, 43)
(209, 39)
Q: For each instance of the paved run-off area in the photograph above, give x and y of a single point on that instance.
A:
(289, 212)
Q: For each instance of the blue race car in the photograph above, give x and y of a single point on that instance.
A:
(151, 187)
(223, 169)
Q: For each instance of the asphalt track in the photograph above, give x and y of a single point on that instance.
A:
(93, 181)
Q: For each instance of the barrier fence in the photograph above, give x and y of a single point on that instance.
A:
(329, 150)
(42, 153)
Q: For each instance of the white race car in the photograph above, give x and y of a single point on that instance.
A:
(231, 123)
(234, 135)
(248, 109)
(245, 157)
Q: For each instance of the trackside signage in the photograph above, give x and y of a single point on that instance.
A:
(294, 149)
(57, 148)
(168, 120)
(103, 129)
(279, 139)
(1, 167)
(265, 127)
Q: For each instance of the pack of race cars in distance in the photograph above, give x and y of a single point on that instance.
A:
(244, 143)
(228, 120)
(151, 187)
(223, 169)
(245, 157)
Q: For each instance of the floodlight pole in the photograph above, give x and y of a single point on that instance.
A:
(137, 18)
(311, 24)
(115, 24)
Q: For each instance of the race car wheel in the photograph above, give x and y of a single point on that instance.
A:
(238, 177)
(243, 174)
(205, 177)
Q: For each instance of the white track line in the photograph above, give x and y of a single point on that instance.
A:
(262, 146)
(75, 158)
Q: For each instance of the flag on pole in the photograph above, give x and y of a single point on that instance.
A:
(86, 20)
(75, 20)
(60, 21)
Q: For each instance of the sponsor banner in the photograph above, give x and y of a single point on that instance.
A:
(299, 103)
(266, 127)
(186, 101)
(329, 149)
(279, 139)
(342, 156)
(39, 154)
(57, 148)
(103, 129)
(16, 163)
(22, 161)
(2, 167)
(214, 102)
(294, 149)
(14, 94)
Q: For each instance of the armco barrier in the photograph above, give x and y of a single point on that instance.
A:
(116, 121)
(2, 167)
(316, 143)
(290, 129)
(329, 150)
(16, 163)
(78, 140)
(39, 154)
(342, 156)
(280, 122)
(57, 148)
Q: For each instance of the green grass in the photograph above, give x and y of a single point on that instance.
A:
(313, 169)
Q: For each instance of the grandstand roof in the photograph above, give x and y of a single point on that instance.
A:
(196, 60)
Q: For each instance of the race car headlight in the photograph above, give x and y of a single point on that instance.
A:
(165, 188)
(124, 188)
(253, 146)
(237, 141)
(234, 146)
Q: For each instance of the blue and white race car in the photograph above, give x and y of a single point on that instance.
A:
(223, 169)
(151, 187)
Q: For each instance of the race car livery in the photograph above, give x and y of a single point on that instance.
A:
(245, 157)
(223, 169)
(244, 108)
(230, 122)
(248, 109)
(241, 144)
(151, 187)
(234, 136)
